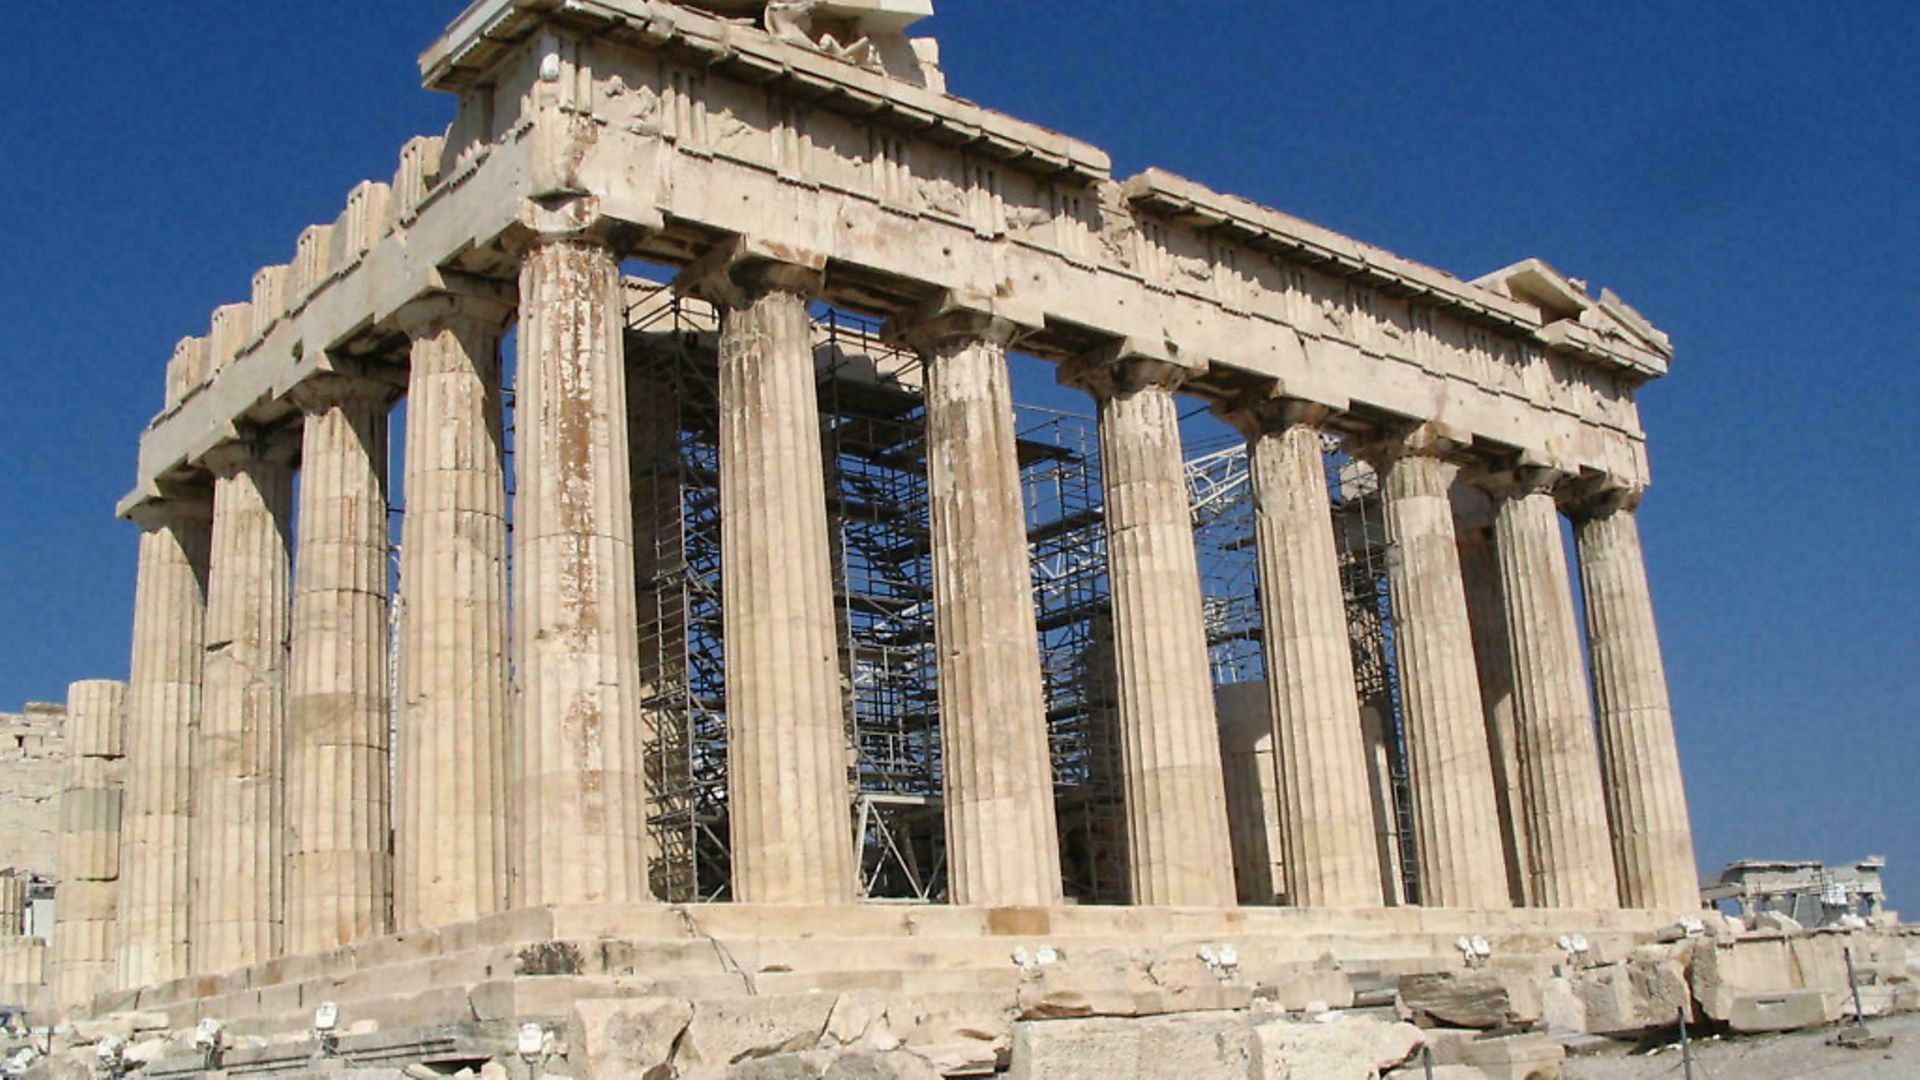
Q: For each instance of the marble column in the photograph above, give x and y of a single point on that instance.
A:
(1327, 826)
(1646, 798)
(1455, 819)
(163, 709)
(451, 741)
(238, 782)
(339, 859)
(1180, 851)
(1493, 657)
(1569, 856)
(1002, 842)
(787, 779)
(87, 900)
(579, 790)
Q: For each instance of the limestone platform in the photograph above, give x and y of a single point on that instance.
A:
(462, 991)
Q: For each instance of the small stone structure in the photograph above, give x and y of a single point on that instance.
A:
(433, 807)
(1803, 890)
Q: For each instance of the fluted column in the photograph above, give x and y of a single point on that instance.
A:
(579, 790)
(1326, 820)
(1002, 843)
(1646, 797)
(339, 862)
(1455, 820)
(1569, 856)
(450, 766)
(1493, 657)
(87, 900)
(163, 709)
(787, 782)
(238, 783)
(1179, 849)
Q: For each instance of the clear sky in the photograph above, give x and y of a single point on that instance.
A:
(1743, 173)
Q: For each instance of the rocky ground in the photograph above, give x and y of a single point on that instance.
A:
(1770, 1057)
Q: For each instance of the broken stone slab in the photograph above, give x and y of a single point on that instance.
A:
(723, 1032)
(1633, 996)
(1561, 1008)
(1787, 1010)
(1532, 1056)
(627, 1037)
(961, 1033)
(873, 1065)
(1471, 999)
(1417, 1071)
(1776, 921)
(1312, 990)
(1189, 1046)
(1344, 1049)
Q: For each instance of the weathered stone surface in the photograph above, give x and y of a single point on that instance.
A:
(579, 790)
(1646, 796)
(1194, 1046)
(1516, 1057)
(627, 1038)
(1784, 1010)
(1476, 999)
(1326, 820)
(450, 754)
(1002, 842)
(1324, 987)
(1569, 855)
(1348, 1049)
(239, 803)
(724, 1032)
(1449, 764)
(894, 1065)
(961, 1033)
(1633, 996)
(1179, 851)
(787, 757)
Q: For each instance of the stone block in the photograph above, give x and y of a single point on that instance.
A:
(1473, 999)
(1194, 1046)
(1019, 921)
(627, 1038)
(1633, 996)
(1314, 989)
(1788, 1010)
(1561, 1007)
(856, 1014)
(1351, 1048)
(723, 1032)
(870, 1065)
(961, 1032)
(1517, 1057)
(547, 997)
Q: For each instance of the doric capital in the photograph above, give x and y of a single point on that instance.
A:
(1270, 413)
(324, 390)
(1520, 481)
(950, 319)
(742, 270)
(1122, 369)
(1428, 440)
(574, 219)
(248, 447)
(175, 506)
(1598, 497)
(456, 298)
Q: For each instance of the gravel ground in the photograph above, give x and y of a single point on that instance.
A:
(1770, 1057)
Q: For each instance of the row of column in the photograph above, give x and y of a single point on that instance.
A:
(258, 801)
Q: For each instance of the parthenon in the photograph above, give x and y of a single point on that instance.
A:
(723, 579)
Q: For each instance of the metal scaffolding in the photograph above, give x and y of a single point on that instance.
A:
(873, 431)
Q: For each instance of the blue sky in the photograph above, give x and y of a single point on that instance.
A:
(1744, 174)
